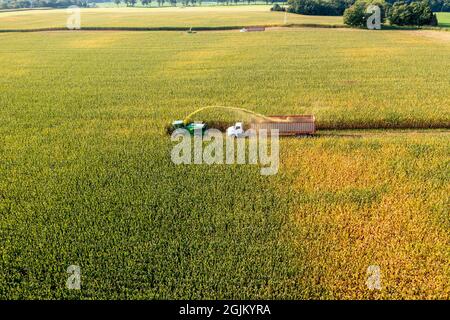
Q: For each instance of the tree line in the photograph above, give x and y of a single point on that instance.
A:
(17, 4)
(308, 7)
(22, 4)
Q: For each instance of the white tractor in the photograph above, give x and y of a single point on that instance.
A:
(236, 131)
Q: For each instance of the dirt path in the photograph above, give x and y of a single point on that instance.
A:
(431, 34)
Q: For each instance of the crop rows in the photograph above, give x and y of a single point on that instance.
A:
(86, 177)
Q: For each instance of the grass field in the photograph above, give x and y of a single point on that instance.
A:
(444, 19)
(160, 17)
(86, 176)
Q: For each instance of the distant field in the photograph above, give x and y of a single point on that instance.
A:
(444, 19)
(159, 17)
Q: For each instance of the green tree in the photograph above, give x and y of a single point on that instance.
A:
(416, 13)
(357, 14)
(117, 2)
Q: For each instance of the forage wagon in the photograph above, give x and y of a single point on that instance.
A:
(287, 125)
